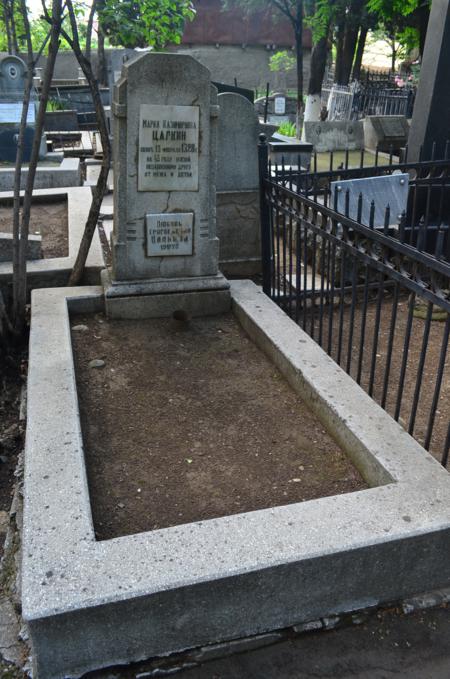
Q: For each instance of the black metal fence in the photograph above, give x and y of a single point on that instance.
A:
(377, 304)
(427, 214)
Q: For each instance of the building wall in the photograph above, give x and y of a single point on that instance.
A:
(249, 65)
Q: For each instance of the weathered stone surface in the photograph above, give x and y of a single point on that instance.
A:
(386, 133)
(334, 135)
(237, 144)
(165, 81)
(90, 604)
(238, 228)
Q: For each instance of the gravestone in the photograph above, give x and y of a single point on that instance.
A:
(386, 132)
(13, 72)
(238, 225)
(389, 190)
(334, 135)
(164, 245)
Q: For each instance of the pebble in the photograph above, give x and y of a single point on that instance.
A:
(97, 363)
(80, 328)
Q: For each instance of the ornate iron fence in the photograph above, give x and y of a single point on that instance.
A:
(378, 305)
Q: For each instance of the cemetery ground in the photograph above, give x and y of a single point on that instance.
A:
(227, 435)
(49, 219)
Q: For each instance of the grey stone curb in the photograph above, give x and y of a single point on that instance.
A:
(67, 173)
(94, 604)
(55, 272)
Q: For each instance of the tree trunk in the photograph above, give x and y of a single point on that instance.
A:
(21, 298)
(317, 72)
(348, 53)
(356, 73)
(339, 51)
(102, 72)
(14, 43)
(99, 190)
(20, 273)
(90, 25)
(393, 54)
(5, 5)
(299, 54)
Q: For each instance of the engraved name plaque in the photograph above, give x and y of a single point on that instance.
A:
(169, 234)
(168, 148)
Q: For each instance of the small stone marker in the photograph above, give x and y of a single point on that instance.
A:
(164, 244)
(280, 106)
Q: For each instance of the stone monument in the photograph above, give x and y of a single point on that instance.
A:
(238, 223)
(13, 73)
(164, 245)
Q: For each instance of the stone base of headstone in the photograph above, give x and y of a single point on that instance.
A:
(158, 298)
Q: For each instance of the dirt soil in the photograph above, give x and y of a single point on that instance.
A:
(380, 340)
(50, 220)
(12, 372)
(186, 422)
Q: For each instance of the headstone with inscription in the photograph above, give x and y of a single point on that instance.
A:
(164, 244)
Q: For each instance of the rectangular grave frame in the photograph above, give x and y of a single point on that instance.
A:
(55, 271)
(90, 604)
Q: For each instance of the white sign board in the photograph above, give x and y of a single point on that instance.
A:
(168, 148)
(279, 106)
(169, 234)
(11, 112)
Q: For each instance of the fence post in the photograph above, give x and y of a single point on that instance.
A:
(263, 164)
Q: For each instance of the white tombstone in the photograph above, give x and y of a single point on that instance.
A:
(164, 244)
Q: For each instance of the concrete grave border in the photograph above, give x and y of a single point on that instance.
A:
(90, 604)
(55, 271)
(66, 174)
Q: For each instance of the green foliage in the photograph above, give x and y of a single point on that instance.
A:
(288, 129)
(282, 62)
(145, 23)
(55, 105)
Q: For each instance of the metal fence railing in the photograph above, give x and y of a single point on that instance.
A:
(377, 304)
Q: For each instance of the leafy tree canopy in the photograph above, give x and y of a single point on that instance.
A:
(145, 23)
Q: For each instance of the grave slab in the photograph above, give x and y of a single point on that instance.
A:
(92, 604)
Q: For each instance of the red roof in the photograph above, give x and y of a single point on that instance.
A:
(214, 25)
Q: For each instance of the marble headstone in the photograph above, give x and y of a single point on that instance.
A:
(164, 243)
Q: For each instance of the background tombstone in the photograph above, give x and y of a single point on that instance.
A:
(13, 73)
(238, 224)
(386, 132)
(164, 244)
(431, 116)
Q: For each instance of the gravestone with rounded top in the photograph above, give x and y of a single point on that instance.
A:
(164, 244)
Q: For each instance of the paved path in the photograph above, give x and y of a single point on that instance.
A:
(415, 647)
